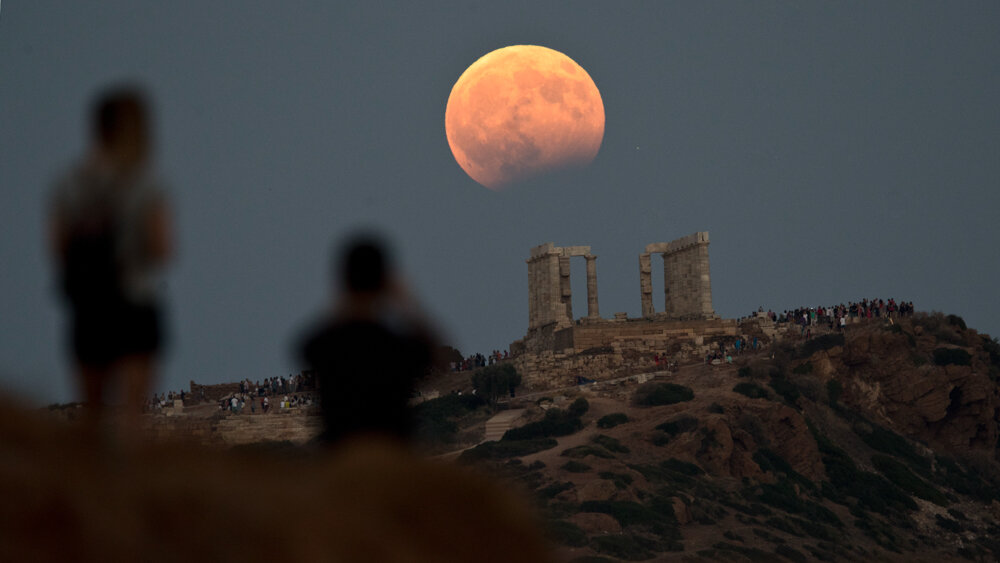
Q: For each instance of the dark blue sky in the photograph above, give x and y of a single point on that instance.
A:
(834, 151)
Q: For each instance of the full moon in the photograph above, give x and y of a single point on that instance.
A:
(522, 111)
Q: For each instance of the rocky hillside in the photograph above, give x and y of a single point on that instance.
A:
(879, 443)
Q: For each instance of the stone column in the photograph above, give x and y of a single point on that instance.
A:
(592, 311)
(565, 289)
(646, 285)
(666, 284)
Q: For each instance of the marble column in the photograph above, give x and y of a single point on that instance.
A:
(592, 310)
(646, 285)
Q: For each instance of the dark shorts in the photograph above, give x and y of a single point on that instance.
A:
(103, 335)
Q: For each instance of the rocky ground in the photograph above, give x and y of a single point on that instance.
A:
(877, 444)
(880, 444)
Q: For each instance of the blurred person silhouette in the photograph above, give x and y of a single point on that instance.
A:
(110, 238)
(369, 350)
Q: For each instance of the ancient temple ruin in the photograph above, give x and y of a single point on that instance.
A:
(550, 297)
(687, 284)
(559, 347)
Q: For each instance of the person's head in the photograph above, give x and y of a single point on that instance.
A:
(120, 125)
(363, 266)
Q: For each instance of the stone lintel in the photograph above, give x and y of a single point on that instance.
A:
(575, 250)
(677, 245)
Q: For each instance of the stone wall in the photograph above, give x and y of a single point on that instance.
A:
(613, 348)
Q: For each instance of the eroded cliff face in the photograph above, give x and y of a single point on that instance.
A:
(910, 376)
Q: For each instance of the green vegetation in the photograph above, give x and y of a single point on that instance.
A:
(870, 491)
(580, 452)
(612, 420)
(621, 480)
(556, 422)
(610, 444)
(654, 394)
(554, 489)
(504, 449)
(436, 418)
(803, 369)
(952, 356)
(901, 476)
(824, 342)
(833, 391)
(786, 389)
(751, 390)
(493, 382)
(682, 467)
(578, 408)
(678, 425)
(751, 553)
(574, 466)
(782, 496)
(791, 554)
(888, 442)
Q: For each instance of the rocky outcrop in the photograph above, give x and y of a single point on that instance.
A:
(889, 374)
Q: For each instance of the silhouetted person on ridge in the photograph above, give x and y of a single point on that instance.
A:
(369, 351)
(110, 237)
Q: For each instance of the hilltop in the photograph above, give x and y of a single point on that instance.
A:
(876, 443)
(880, 442)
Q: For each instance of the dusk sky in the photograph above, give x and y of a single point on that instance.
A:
(834, 151)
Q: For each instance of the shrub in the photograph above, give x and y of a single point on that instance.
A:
(578, 407)
(580, 452)
(591, 559)
(655, 394)
(952, 356)
(682, 467)
(576, 467)
(751, 390)
(609, 443)
(435, 419)
(788, 391)
(506, 449)
(554, 489)
(803, 369)
(833, 391)
(493, 382)
(679, 425)
(948, 524)
(621, 480)
(783, 496)
(626, 512)
(901, 476)
(745, 371)
(824, 342)
(612, 420)
(888, 442)
(555, 423)
(716, 408)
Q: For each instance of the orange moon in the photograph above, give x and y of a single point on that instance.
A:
(522, 111)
